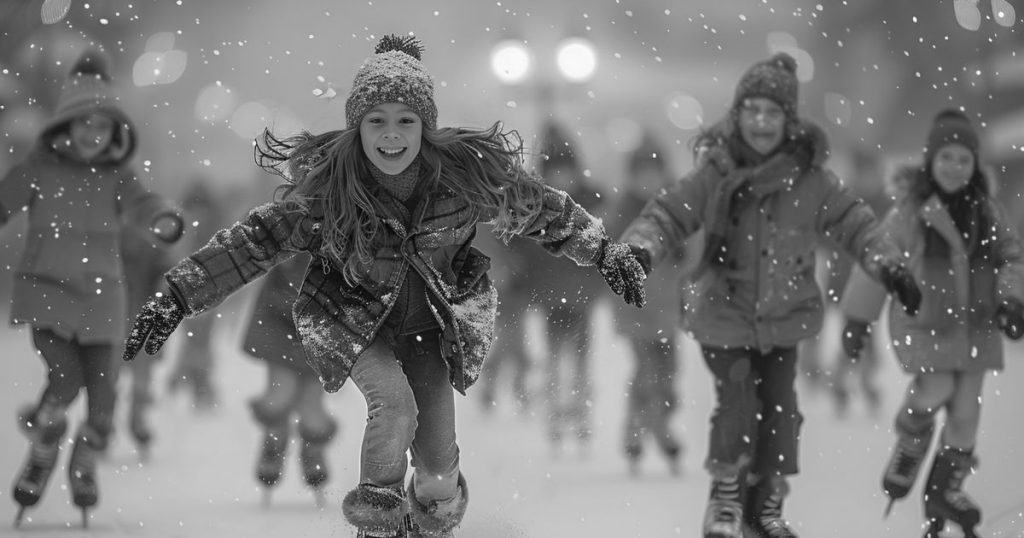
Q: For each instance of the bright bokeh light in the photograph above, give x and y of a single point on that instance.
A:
(250, 118)
(576, 59)
(684, 111)
(968, 16)
(159, 67)
(1004, 13)
(510, 61)
(215, 103)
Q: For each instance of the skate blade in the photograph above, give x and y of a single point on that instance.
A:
(18, 517)
(888, 508)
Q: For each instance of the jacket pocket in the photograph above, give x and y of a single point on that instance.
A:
(468, 274)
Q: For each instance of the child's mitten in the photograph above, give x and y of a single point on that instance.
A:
(898, 280)
(624, 271)
(1010, 318)
(153, 325)
(854, 334)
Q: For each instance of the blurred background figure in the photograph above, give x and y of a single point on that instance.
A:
(652, 331)
(564, 297)
(293, 394)
(205, 213)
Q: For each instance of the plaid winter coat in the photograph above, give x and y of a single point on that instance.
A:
(756, 286)
(70, 278)
(961, 287)
(337, 321)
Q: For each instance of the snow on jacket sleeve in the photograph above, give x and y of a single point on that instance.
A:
(270, 234)
(671, 216)
(16, 192)
(565, 228)
(1010, 256)
(850, 224)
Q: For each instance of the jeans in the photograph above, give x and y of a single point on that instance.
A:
(73, 366)
(748, 385)
(410, 405)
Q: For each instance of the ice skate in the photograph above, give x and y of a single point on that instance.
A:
(82, 471)
(723, 517)
(270, 466)
(764, 509)
(437, 519)
(377, 512)
(904, 465)
(944, 498)
(42, 458)
(313, 460)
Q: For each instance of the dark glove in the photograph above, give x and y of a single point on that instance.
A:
(154, 323)
(854, 334)
(1010, 318)
(898, 280)
(642, 256)
(623, 272)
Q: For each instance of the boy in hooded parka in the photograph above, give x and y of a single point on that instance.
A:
(79, 191)
(763, 197)
(968, 260)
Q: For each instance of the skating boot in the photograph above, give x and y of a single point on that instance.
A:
(724, 515)
(42, 458)
(944, 498)
(764, 509)
(377, 512)
(314, 463)
(27, 420)
(437, 519)
(914, 437)
(82, 470)
(673, 451)
(274, 447)
(633, 450)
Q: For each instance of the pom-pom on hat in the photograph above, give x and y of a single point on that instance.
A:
(774, 78)
(394, 74)
(951, 126)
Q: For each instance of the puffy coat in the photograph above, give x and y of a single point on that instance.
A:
(755, 286)
(336, 320)
(955, 328)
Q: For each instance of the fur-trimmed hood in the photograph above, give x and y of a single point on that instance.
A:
(720, 144)
(911, 178)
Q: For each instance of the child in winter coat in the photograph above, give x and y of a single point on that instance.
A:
(77, 187)
(764, 198)
(966, 256)
(651, 397)
(292, 387)
(396, 297)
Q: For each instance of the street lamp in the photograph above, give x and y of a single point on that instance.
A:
(576, 59)
(510, 61)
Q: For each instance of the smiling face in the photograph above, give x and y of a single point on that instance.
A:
(91, 135)
(391, 135)
(952, 167)
(762, 124)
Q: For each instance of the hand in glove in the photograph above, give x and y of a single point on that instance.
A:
(1010, 318)
(622, 268)
(854, 334)
(898, 280)
(154, 323)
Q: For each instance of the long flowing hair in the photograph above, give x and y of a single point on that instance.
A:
(485, 166)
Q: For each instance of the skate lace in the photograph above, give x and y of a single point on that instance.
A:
(41, 460)
(961, 501)
(83, 462)
(725, 511)
(771, 518)
(904, 464)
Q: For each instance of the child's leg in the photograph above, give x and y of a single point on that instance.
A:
(636, 394)
(666, 401)
(64, 376)
(272, 410)
(733, 430)
(963, 411)
(779, 428)
(316, 429)
(926, 394)
(99, 369)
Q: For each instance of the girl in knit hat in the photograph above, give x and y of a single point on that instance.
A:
(78, 189)
(966, 256)
(396, 297)
(764, 198)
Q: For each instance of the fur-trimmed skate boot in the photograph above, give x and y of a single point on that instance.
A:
(312, 459)
(437, 519)
(274, 447)
(723, 517)
(82, 469)
(377, 512)
(944, 498)
(50, 425)
(764, 508)
(914, 435)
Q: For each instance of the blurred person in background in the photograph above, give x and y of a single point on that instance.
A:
(293, 393)
(651, 397)
(79, 190)
(764, 197)
(396, 298)
(564, 296)
(963, 249)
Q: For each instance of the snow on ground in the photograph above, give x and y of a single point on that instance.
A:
(199, 481)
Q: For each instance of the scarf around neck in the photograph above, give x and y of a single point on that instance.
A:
(400, 185)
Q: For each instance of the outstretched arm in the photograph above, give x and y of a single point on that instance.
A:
(16, 192)
(270, 234)
(138, 205)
